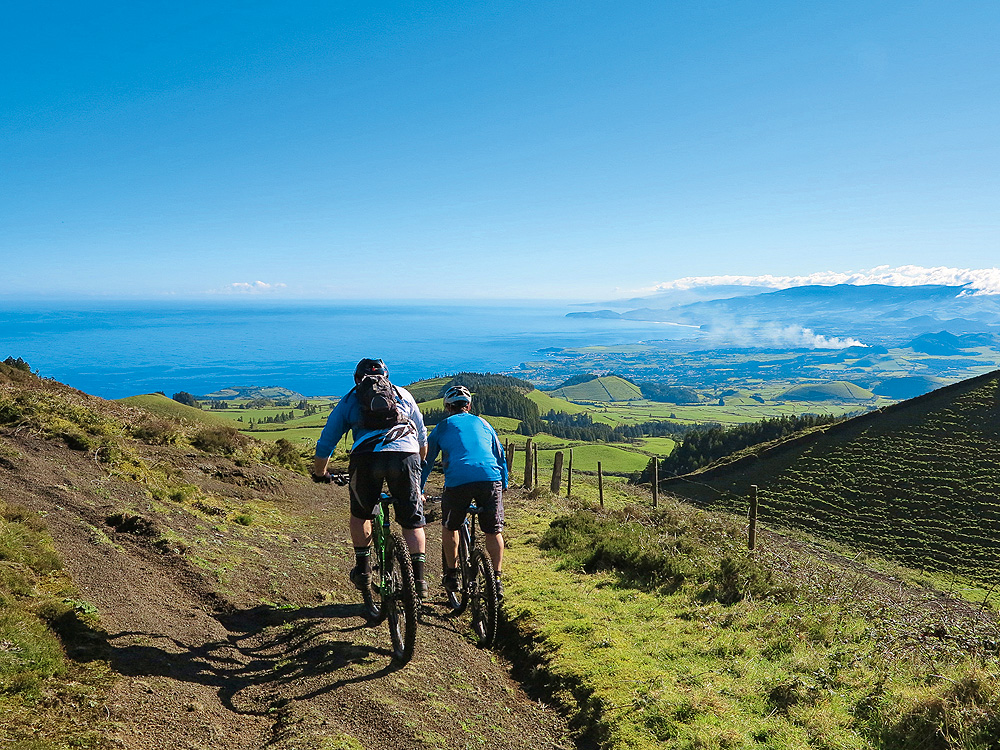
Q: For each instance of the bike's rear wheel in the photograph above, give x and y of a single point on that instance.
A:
(399, 598)
(459, 600)
(372, 594)
(483, 598)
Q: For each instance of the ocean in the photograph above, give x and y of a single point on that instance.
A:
(122, 349)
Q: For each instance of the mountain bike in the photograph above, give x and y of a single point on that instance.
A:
(392, 594)
(477, 589)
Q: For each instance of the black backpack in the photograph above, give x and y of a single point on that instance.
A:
(379, 407)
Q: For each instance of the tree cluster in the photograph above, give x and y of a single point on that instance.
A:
(17, 364)
(503, 401)
(701, 446)
(279, 418)
(183, 397)
(476, 381)
(583, 427)
(669, 394)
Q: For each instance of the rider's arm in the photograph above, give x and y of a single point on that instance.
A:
(431, 451)
(337, 425)
(500, 456)
(418, 422)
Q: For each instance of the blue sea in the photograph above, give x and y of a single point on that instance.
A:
(121, 349)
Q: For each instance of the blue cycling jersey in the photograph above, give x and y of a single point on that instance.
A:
(471, 451)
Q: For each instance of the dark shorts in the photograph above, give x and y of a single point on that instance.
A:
(401, 474)
(488, 496)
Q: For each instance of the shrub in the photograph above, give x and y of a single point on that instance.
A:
(155, 431)
(284, 453)
(224, 440)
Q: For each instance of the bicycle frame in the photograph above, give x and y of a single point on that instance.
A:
(392, 580)
(477, 583)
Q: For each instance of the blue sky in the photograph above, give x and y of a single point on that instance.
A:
(576, 150)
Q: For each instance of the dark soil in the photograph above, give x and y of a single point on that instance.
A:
(224, 635)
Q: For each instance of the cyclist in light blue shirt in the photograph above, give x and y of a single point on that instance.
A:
(475, 470)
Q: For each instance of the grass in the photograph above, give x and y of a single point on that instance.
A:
(658, 630)
(609, 388)
(614, 458)
(52, 681)
(916, 482)
(160, 405)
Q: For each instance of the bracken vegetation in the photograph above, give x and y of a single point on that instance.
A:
(918, 482)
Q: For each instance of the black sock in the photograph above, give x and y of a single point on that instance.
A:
(418, 565)
(363, 558)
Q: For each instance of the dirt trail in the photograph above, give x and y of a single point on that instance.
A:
(203, 663)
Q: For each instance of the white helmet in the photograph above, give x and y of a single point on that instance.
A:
(457, 394)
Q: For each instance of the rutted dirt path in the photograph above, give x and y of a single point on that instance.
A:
(268, 649)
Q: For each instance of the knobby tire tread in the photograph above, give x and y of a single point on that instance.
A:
(400, 604)
(485, 608)
(460, 599)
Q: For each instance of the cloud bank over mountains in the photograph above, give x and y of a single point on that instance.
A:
(978, 281)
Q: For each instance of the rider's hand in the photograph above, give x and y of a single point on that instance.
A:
(324, 478)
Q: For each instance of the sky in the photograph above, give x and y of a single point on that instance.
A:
(475, 150)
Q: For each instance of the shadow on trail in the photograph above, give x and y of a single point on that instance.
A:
(270, 656)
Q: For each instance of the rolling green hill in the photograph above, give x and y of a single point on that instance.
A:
(547, 403)
(918, 481)
(838, 390)
(160, 405)
(609, 388)
(427, 390)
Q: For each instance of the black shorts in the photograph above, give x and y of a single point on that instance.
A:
(455, 502)
(401, 474)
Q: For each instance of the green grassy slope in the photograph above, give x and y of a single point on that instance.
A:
(157, 403)
(47, 699)
(838, 390)
(609, 388)
(547, 403)
(426, 390)
(918, 481)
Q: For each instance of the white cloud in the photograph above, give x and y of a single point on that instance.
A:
(252, 287)
(751, 333)
(978, 281)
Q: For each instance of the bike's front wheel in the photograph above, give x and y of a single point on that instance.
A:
(399, 598)
(483, 598)
(459, 600)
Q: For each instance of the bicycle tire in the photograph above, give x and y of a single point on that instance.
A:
(483, 599)
(459, 600)
(372, 595)
(399, 599)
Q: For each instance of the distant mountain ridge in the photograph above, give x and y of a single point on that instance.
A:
(842, 309)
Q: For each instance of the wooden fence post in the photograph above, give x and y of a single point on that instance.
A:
(535, 465)
(527, 464)
(600, 483)
(752, 531)
(656, 482)
(557, 466)
(509, 456)
(569, 475)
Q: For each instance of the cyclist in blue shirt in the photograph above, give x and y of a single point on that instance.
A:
(389, 454)
(475, 470)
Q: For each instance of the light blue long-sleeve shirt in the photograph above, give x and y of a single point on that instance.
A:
(407, 437)
(471, 450)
